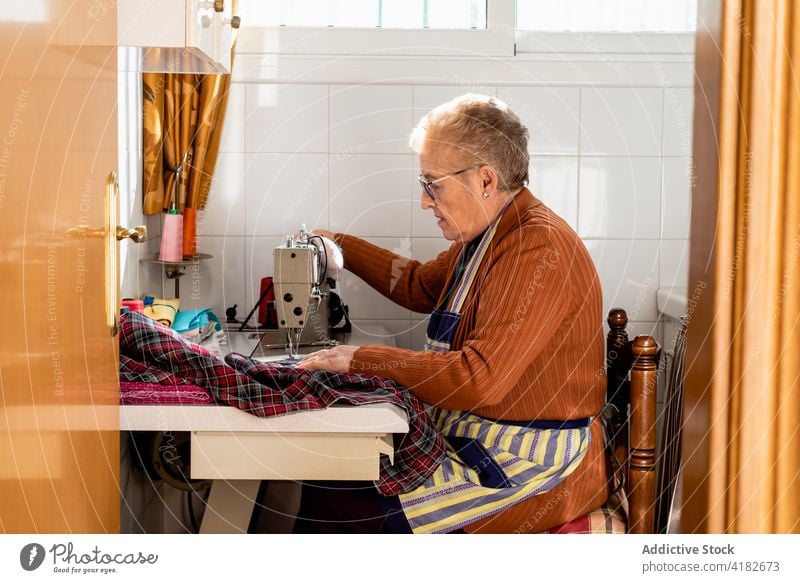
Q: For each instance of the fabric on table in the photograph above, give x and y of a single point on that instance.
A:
(155, 394)
(144, 384)
(269, 389)
(163, 310)
(186, 320)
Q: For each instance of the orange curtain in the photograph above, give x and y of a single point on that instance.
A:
(741, 447)
(183, 117)
(183, 114)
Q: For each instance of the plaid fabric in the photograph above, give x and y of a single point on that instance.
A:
(134, 371)
(608, 519)
(270, 389)
(154, 394)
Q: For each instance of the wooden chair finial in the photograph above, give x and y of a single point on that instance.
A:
(617, 318)
(644, 346)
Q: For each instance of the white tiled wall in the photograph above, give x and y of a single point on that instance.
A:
(134, 276)
(613, 161)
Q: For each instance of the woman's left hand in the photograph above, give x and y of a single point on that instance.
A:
(336, 359)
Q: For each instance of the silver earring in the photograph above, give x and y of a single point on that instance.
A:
(485, 195)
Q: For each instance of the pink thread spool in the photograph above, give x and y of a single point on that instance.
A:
(172, 237)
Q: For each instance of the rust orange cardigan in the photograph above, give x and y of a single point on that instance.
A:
(529, 344)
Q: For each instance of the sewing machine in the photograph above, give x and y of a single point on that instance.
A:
(310, 316)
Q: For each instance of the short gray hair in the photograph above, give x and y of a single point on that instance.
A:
(485, 130)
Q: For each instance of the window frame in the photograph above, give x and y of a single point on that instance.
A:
(656, 44)
(496, 40)
(499, 39)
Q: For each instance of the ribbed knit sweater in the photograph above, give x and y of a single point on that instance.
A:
(529, 344)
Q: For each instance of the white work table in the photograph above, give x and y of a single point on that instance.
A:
(237, 450)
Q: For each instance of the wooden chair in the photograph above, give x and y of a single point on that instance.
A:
(632, 371)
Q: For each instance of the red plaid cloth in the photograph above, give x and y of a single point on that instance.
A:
(143, 384)
(149, 350)
(155, 394)
(608, 519)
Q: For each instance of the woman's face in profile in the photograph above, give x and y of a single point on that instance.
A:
(455, 200)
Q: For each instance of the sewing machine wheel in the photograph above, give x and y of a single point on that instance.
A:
(339, 318)
(165, 456)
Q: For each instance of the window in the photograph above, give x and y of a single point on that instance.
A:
(377, 27)
(607, 15)
(467, 28)
(441, 14)
(662, 29)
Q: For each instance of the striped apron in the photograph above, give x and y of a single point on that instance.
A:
(490, 465)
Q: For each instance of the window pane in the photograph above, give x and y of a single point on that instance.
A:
(301, 13)
(607, 15)
(402, 13)
(365, 13)
(356, 13)
(457, 14)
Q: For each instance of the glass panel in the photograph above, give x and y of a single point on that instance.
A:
(607, 15)
(355, 13)
(402, 13)
(459, 14)
(255, 13)
(300, 13)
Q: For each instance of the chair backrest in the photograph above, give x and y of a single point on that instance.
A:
(632, 372)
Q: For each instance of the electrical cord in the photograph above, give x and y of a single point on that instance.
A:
(325, 254)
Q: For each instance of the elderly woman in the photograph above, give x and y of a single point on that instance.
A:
(513, 363)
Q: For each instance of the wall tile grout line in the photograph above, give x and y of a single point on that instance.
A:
(661, 188)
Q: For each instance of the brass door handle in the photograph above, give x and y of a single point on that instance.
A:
(235, 22)
(84, 232)
(136, 234)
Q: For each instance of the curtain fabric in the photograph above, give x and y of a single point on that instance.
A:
(183, 117)
(742, 449)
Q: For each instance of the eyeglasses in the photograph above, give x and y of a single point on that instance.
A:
(427, 184)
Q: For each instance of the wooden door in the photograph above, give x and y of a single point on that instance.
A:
(59, 439)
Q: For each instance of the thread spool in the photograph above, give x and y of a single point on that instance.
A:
(171, 237)
(189, 232)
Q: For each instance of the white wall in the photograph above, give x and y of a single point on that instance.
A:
(136, 278)
(325, 143)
